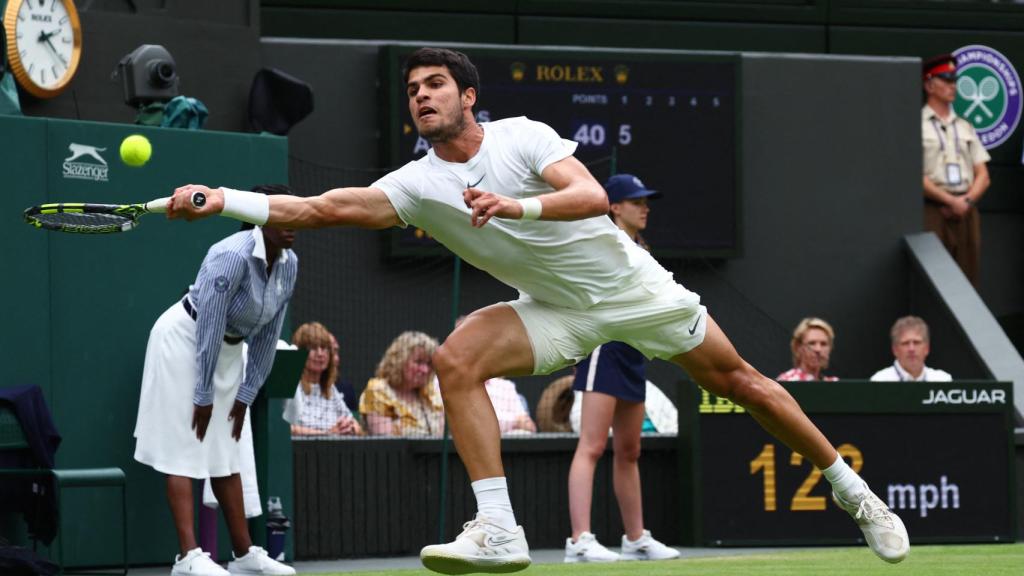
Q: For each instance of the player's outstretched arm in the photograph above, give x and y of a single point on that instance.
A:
(577, 196)
(360, 207)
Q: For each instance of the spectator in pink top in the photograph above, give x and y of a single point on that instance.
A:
(508, 407)
(811, 346)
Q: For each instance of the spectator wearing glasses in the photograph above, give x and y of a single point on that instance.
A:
(404, 399)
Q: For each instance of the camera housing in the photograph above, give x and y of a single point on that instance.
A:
(148, 74)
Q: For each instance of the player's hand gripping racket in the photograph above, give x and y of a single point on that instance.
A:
(98, 218)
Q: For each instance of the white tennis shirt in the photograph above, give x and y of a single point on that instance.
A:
(572, 264)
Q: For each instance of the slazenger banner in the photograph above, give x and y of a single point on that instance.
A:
(987, 93)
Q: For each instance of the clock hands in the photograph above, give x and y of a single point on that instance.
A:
(45, 37)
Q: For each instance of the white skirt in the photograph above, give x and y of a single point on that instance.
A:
(163, 430)
(247, 463)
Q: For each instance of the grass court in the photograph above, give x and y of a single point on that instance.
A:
(980, 559)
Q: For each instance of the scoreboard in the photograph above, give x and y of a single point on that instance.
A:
(667, 117)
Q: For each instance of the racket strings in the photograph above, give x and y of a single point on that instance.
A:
(83, 221)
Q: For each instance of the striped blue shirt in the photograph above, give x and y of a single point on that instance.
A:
(233, 295)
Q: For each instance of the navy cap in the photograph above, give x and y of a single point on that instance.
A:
(627, 187)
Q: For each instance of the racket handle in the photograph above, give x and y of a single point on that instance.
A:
(160, 204)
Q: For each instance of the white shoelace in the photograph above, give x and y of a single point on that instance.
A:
(873, 511)
(475, 522)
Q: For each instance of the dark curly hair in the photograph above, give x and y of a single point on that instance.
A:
(462, 70)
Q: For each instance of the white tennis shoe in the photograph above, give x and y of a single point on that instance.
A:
(196, 563)
(481, 547)
(883, 530)
(258, 563)
(646, 548)
(586, 548)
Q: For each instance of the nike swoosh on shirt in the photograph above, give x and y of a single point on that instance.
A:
(477, 183)
(693, 328)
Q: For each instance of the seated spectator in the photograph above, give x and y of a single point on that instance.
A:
(318, 408)
(811, 346)
(508, 407)
(554, 406)
(404, 398)
(911, 344)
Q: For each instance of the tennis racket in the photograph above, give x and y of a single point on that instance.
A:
(98, 218)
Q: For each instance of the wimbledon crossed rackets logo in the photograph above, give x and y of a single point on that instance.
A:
(987, 93)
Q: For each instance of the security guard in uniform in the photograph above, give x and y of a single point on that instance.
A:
(955, 174)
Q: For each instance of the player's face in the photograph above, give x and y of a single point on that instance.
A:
(815, 349)
(911, 349)
(942, 89)
(416, 370)
(436, 107)
(631, 215)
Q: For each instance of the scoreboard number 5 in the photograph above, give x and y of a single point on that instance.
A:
(802, 501)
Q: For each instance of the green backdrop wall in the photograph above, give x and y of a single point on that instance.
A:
(80, 307)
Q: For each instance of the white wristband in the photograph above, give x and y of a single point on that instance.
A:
(248, 207)
(531, 208)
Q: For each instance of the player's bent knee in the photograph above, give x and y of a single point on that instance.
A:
(453, 369)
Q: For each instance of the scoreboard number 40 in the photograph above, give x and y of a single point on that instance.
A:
(802, 501)
(596, 135)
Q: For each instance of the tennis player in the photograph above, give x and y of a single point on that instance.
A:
(193, 401)
(510, 198)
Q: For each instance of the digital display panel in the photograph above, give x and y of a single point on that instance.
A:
(669, 118)
(939, 454)
(930, 469)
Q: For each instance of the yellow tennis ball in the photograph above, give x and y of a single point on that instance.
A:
(136, 150)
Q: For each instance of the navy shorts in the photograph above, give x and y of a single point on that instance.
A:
(615, 369)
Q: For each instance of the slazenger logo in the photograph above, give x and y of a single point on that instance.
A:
(961, 396)
(987, 93)
(85, 163)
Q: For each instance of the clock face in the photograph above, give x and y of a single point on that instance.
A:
(44, 44)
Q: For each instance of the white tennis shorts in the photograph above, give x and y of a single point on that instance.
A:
(661, 320)
(163, 430)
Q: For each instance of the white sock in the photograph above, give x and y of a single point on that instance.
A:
(492, 501)
(844, 480)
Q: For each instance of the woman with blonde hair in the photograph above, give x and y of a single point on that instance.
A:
(318, 408)
(403, 399)
(811, 346)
